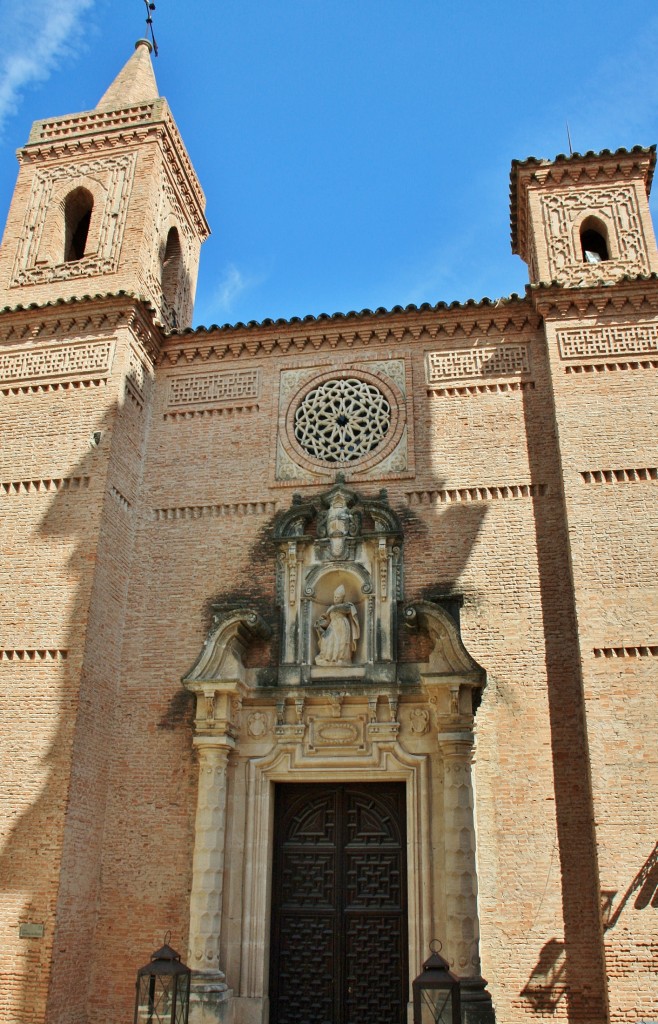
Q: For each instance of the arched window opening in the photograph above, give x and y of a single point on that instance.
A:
(594, 242)
(171, 266)
(77, 218)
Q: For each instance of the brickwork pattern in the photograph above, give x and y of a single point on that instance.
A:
(607, 340)
(207, 389)
(507, 360)
(38, 365)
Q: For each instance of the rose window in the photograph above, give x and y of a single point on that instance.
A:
(342, 420)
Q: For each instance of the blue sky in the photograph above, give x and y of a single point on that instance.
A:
(353, 154)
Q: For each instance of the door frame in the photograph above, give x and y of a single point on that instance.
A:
(384, 763)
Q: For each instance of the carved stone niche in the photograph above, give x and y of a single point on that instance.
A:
(339, 583)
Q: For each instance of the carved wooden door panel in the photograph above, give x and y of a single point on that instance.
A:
(339, 922)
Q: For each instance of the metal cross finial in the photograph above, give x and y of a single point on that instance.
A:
(150, 7)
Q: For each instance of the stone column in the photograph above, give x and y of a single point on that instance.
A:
(210, 1000)
(462, 923)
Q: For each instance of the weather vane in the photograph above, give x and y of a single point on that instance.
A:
(149, 23)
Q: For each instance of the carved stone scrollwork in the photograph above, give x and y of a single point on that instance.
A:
(449, 656)
(291, 562)
(223, 652)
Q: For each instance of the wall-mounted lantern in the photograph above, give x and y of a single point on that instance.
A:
(163, 989)
(436, 992)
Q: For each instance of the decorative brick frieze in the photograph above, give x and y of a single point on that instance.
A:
(229, 410)
(619, 476)
(22, 326)
(120, 499)
(238, 508)
(505, 360)
(44, 485)
(641, 364)
(639, 651)
(40, 365)
(467, 390)
(33, 654)
(136, 375)
(608, 340)
(454, 495)
(40, 389)
(561, 211)
(40, 255)
(138, 379)
(219, 388)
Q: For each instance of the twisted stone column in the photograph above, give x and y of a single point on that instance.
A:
(462, 922)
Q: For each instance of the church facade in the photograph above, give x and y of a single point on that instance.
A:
(324, 639)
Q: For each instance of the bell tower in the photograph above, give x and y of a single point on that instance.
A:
(107, 201)
(584, 220)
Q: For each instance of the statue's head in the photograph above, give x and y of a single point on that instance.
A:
(339, 594)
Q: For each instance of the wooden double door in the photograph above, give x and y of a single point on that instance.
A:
(339, 915)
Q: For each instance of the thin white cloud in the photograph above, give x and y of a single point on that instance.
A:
(232, 285)
(35, 37)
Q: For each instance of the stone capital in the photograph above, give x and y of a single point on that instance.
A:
(456, 745)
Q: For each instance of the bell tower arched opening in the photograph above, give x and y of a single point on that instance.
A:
(594, 241)
(78, 208)
(171, 263)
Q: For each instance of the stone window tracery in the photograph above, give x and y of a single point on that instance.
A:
(342, 419)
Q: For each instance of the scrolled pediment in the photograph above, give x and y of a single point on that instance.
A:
(223, 652)
(449, 656)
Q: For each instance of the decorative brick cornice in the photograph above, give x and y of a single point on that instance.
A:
(88, 314)
(494, 320)
(89, 122)
(631, 296)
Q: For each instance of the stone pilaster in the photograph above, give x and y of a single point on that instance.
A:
(462, 922)
(210, 1000)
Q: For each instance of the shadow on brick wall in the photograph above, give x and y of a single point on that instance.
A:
(547, 985)
(51, 854)
(575, 969)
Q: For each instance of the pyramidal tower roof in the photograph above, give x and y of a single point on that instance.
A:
(134, 84)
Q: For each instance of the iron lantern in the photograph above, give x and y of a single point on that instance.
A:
(163, 989)
(436, 992)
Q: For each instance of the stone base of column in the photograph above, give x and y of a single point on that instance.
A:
(477, 1007)
(211, 1000)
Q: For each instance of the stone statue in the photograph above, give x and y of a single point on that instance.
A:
(338, 631)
